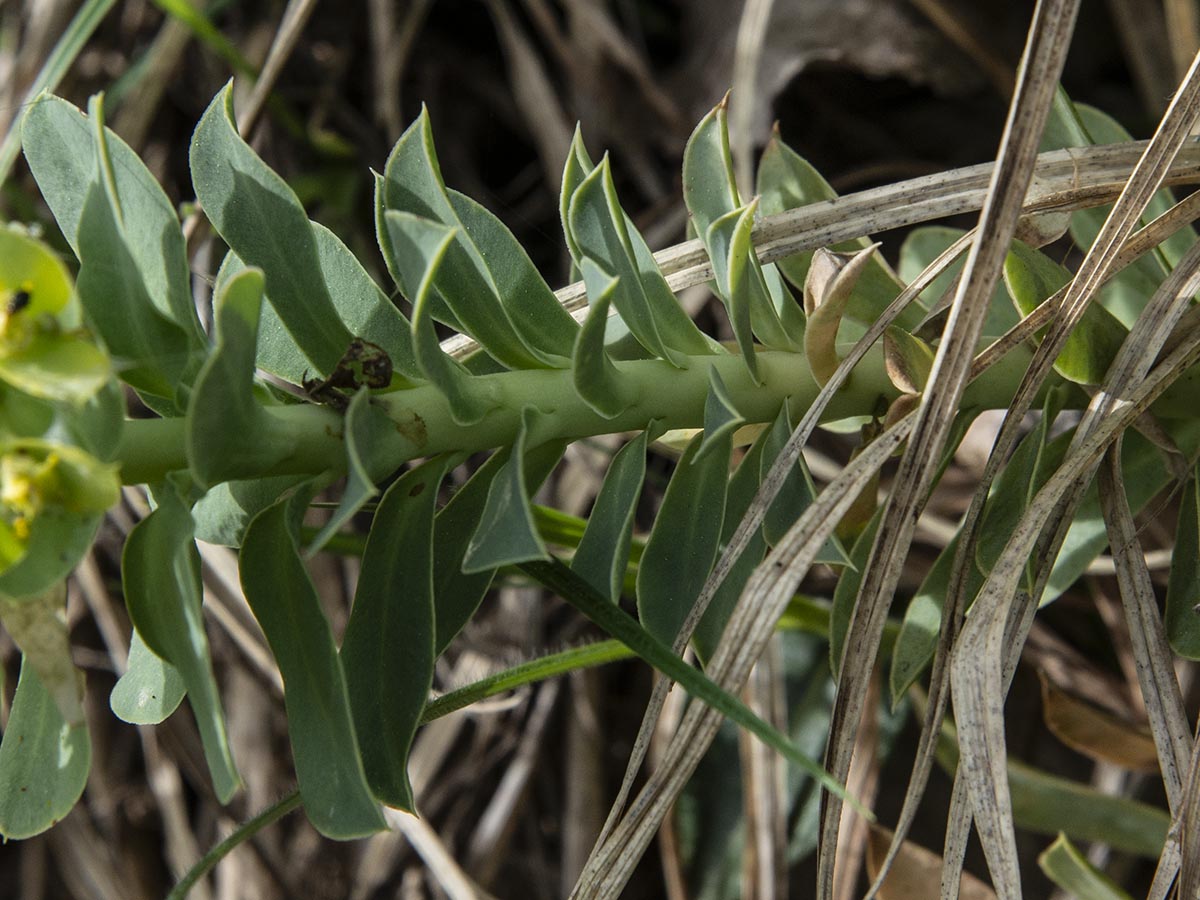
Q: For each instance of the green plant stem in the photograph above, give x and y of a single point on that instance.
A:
(309, 438)
(527, 673)
(241, 834)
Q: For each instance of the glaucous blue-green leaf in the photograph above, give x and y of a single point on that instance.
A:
(150, 690)
(364, 431)
(709, 188)
(743, 485)
(540, 319)
(577, 167)
(329, 767)
(150, 352)
(503, 288)
(433, 257)
(226, 428)
(795, 495)
(507, 533)
(1031, 276)
(160, 568)
(776, 317)
(721, 418)
(846, 592)
(1183, 587)
(603, 551)
(388, 649)
(363, 307)
(97, 425)
(421, 244)
(44, 762)
(38, 626)
(263, 222)
(457, 594)
(1078, 125)
(755, 303)
(736, 297)
(604, 233)
(597, 380)
(222, 514)
(925, 244)
(787, 181)
(1067, 867)
(683, 542)
(61, 146)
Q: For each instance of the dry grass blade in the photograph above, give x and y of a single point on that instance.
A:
(980, 656)
(766, 494)
(1187, 826)
(1156, 676)
(771, 587)
(1097, 267)
(1063, 180)
(1037, 79)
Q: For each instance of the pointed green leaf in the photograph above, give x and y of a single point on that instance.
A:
(388, 651)
(596, 378)
(603, 551)
(795, 495)
(640, 640)
(363, 307)
(578, 166)
(226, 428)
(38, 626)
(743, 485)
(491, 286)
(683, 543)
(150, 690)
(721, 418)
(151, 352)
(60, 145)
(44, 762)
(457, 594)
(1078, 125)
(421, 245)
(541, 321)
(221, 515)
(324, 747)
(603, 232)
(846, 593)
(787, 181)
(736, 297)
(709, 188)
(775, 316)
(262, 221)
(924, 245)
(433, 258)
(364, 430)
(507, 533)
(1031, 277)
(1070, 870)
(1183, 586)
(160, 568)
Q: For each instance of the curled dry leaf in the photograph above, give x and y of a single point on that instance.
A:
(916, 871)
(827, 289)
(1095, 732)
